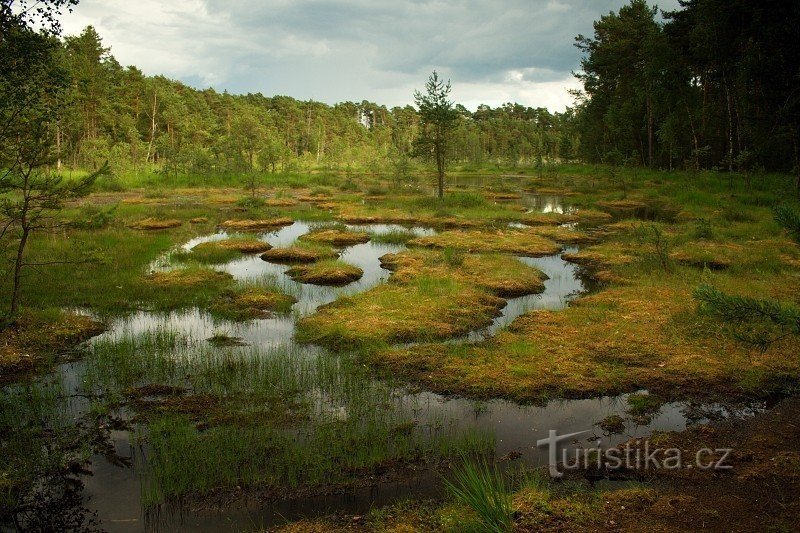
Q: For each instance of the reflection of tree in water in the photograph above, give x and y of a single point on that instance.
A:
(55, 503)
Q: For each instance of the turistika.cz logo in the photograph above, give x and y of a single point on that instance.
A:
(628, 457)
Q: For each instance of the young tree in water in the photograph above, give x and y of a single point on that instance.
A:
(438, 117)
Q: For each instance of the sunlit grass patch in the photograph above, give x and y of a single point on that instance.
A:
(335, 237)
(250, 301)
(155, 224)
(646, 334)
(501, 275)
(524, 242)
(426, 308)
(256, 224)
(328, 272)
(218, 252)
(299, 253)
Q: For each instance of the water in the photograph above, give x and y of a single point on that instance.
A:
(114, 492)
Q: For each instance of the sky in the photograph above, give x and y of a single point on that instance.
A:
(333, 51)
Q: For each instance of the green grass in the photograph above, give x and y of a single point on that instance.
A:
(483, 489)
(278, 419)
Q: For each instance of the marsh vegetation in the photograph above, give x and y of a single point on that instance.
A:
(369, 327)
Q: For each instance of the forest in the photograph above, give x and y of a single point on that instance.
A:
(688, 89)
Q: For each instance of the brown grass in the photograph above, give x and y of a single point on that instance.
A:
(188, 277)
(425, 309)
(641, 336)
(517, 242)
(243, 245)
(152, 224)
(331, 272)
(336, 237)
(297, 254)
(253, 224)
(499, 274)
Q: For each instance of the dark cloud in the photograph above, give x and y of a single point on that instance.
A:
(358, 49)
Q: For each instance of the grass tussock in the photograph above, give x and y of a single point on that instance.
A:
(524, 242)
(329, 272)
(501, 275)
(256, 224)
(152, 224)
(427, 308)
(250, 302)
(36, 338)
(335, 237)
(188, 276)
(298, 254)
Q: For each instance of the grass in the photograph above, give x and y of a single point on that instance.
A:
(483, 489)
(329, 272)
(299, 253)
(517, 242)
(238, 421)
(274, 419)
(501, 275)
(646, 333)
(223, 251)
(426, 308)
(38, 337)
(335, 237)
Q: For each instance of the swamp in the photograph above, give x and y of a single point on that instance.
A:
(257, 334)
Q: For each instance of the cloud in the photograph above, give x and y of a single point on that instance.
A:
(509, 50)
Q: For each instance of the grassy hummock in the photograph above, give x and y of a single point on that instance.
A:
(522, 242)
(298, 254)
(217, 252)
(335, 237)
(499, 274)
(256, 224)
(151, 224)
(329, 272)
(249, 302)
(426, 308)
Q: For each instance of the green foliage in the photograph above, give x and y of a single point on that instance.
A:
(94, 217)
(789, 219)
(483, 489)
(454, 257)
(703, 229)
(759, 322)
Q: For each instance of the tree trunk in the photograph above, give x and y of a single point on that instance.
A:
(730, 123)
(649, 131)
(16, 289)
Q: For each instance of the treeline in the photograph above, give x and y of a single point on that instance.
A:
(715, 83)
(136, 121)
